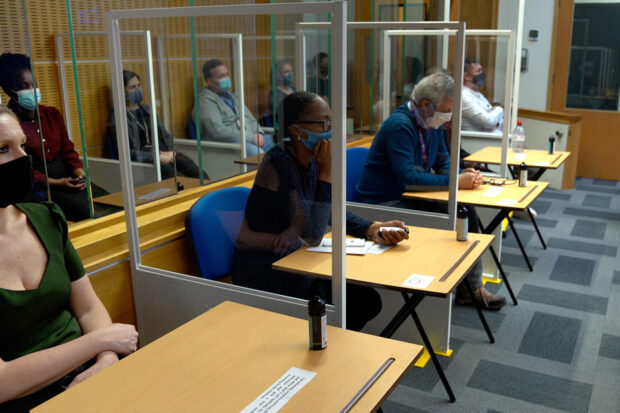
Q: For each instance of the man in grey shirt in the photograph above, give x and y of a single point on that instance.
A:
(220, 110)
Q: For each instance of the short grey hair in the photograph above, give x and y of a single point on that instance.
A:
(434, 87)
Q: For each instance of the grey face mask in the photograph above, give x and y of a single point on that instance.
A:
(135, 96)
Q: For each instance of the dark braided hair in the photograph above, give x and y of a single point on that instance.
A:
(11, 64)
(290, 110)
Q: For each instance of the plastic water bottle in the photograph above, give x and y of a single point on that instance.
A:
(518, 138)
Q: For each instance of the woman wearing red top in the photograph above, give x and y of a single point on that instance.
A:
(65, 169)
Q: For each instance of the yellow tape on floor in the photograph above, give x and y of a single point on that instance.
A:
(426, 356)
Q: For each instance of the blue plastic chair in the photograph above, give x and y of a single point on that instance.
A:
(356, 158)
(212, 225)
(191, 129)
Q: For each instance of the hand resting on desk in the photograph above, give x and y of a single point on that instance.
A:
(387, 237)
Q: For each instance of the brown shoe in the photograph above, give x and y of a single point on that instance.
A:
(485, 299)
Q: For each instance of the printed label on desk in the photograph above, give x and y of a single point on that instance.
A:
(493, 192)
(379, 248)
(418, 281)
(519, 156)
(541, 163)
(279, 393)
(506, 202)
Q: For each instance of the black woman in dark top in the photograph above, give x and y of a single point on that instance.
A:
(140, 139)
(290, 206)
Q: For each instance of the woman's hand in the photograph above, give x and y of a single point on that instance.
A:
(103, 360)
(323, 156)
(77, 184)
(387, 237)
(286, 241)
(119, 338)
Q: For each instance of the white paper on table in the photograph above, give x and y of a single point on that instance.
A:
(280, 392)
(355, 250)
(541, 163)
(379, 249)
(493, 192)
(418, 281)
(519, 156)
(350, 242)
(506, 202)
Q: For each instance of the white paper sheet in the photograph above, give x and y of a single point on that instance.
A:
(279, 393)
(418, 281)
(350, 242)
(541, 163)
(353, 250)
(520, 156)
(493, 192)
(379, 249)
(506, 202)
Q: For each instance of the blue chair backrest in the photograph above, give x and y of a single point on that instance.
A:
(191, 129)
(212, 224)
(356, 158)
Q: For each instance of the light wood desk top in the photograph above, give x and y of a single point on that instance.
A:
(532, 157)
(225, 358)
(427, 252)
(510, 196)
(150, 192)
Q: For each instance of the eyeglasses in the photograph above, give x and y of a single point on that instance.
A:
(327, 123)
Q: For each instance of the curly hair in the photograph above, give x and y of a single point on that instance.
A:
(290, 110)
(11, 64)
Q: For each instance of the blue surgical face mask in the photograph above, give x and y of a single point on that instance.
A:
(135, 96)
(288, 79)
(314, 138)
(225, 83)
(26, 98)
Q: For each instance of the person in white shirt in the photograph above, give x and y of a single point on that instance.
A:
(478, 113)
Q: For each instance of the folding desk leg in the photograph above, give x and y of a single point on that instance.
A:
(431, 351)
(482, 318)
(514, 231)
(540, 237)
(503, 275)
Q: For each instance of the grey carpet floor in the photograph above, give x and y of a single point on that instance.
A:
(559, 349)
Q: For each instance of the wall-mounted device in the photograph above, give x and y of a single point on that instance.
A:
(524, 59)
(533, 35)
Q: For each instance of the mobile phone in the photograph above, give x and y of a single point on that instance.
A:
(381, 229)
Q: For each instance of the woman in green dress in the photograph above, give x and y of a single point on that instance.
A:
(54, 330)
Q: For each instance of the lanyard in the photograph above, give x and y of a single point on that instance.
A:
(414, 111)
(143, 125)
(229, 102)
(424, 154)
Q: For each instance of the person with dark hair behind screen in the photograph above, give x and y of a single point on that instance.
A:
(290, 206)
(55, 332)
(140, 139)
(220, 111)
(477, 113)
(65, 169)
(319, 82)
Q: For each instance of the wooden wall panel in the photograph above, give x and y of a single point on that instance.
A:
(113, 287)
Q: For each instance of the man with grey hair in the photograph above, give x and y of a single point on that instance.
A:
(410, 151)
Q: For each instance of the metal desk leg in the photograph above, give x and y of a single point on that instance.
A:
(514, 231)
(482, 318)
(540, 237)
(429, 347)
(489, 230)
(503, 274)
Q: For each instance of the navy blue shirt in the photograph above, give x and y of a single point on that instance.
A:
(396, 161)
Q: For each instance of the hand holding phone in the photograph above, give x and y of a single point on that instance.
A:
(381, 229)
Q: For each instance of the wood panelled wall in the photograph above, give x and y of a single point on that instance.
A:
(48, 18)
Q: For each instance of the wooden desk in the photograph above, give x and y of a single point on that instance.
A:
(150, 192)
(532, 157)
(512, 197)
(428, 251)
(225, 358)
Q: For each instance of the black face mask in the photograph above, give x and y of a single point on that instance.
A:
(16, 179)
(479, 80)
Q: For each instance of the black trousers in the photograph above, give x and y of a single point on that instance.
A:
(185, 166)
(73, 203)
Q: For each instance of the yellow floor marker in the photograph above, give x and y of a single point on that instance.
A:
(426, 356)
